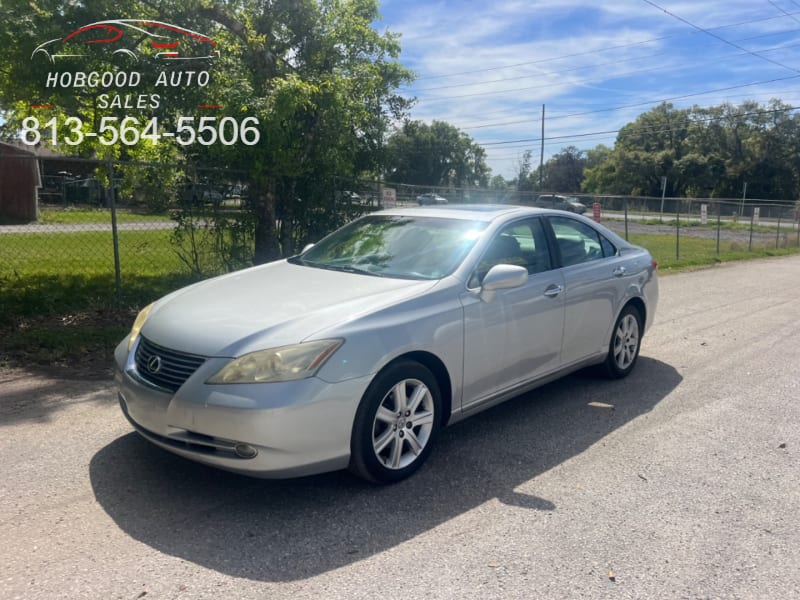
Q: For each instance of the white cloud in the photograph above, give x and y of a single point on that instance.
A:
(481, 65)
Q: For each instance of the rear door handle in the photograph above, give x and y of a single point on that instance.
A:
(553, 291)
(619, 271)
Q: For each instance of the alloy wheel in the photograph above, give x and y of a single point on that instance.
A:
(403, 424)
(626, 342)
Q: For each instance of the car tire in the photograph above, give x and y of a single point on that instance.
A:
(626, 339)
(396, 423)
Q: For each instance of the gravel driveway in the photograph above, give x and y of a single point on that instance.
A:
(681, 481)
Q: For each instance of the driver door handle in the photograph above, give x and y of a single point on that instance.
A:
(619, 271)
(553, 291)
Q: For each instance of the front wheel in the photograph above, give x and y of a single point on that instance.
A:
(396, 423)
(626, 340)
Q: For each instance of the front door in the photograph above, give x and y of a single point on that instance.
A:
(516, 336)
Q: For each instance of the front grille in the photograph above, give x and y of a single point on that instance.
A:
(165, 368)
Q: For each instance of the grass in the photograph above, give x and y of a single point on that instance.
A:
(89, 252)
(59, 307)
(52, 216)
(742, 225)
(698, 252)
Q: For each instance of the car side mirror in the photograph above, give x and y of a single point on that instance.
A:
(502, 277)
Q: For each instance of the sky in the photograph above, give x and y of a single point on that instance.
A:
(489, 67)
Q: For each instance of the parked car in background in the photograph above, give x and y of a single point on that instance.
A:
(356, 352)
(348, 197)
(430, 198)
(198, 194)
(557, 202)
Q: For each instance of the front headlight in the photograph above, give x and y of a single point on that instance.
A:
(138, 324)
(278, 364)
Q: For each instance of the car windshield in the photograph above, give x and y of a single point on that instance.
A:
(396, 246)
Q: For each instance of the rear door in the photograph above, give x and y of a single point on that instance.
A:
(595, 280)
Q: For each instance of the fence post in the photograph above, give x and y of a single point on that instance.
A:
(112, 200)
(752, 219)
(678, 232)
(719, 224)
(625, 203)
(778, 233)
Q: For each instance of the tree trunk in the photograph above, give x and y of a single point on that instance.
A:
(287, 221)
(266, 242)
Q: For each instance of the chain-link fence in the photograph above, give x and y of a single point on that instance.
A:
(123, 230)
(117, 222)
(695, 228)
(115, 230)
(682, 229)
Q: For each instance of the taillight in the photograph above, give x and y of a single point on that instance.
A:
(655, 264)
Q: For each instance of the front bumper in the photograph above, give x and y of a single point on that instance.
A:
(272, 430)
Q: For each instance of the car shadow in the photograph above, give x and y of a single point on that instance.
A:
(273, 530)
(27, 397)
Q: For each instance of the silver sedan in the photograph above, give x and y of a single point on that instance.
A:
(357, 352)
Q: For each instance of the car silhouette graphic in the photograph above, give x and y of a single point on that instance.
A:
(131, 38)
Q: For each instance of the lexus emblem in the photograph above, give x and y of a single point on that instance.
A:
(154, 364)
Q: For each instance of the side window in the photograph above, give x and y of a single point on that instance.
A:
(522, 243)
(579, 242)
(608, 248)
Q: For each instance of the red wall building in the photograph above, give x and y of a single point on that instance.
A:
(20, 181)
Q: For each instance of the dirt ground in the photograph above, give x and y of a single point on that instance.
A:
(679, 481)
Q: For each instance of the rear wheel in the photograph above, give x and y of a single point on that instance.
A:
(626, 339)
(396, 423)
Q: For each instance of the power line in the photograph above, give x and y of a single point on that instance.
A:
(788, 14)
(721, 39)
(593, 52)
(638, 104)
(535, 112)
(527, 88)
(535, 87)
(616, 62)
(548, 142)
(609, 134)
(583, 81)
(642, 129)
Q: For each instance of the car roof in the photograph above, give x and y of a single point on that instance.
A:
(472, 212)
(490, 212)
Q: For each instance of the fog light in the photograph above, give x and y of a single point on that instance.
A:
(245, 451)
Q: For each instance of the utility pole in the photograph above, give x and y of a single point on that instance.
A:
(541, 155)
(744, 195)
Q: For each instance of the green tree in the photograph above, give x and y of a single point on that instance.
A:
(316, 75)
(499, 183)
(563, 172)
(648, 149)
(525, 174)
(435, 155)
(703, 152)
(749, 143)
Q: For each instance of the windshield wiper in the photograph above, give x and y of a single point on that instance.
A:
(329, 267)
(358, 270)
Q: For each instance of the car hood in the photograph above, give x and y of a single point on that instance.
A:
(268, 306)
